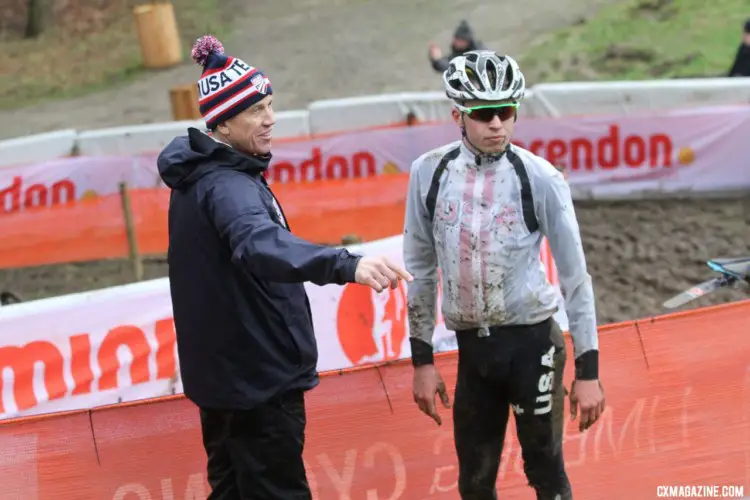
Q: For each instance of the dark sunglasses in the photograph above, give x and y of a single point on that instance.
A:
(485, 114)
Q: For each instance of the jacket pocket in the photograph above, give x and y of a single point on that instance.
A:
(301, 328)
(290, 308)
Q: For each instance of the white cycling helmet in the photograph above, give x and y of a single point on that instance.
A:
(483, 75)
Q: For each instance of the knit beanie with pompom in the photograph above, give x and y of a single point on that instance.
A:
(228, 85)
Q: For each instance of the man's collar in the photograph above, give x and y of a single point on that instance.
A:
(481, 158)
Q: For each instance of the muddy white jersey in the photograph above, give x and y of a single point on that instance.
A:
(481, 224)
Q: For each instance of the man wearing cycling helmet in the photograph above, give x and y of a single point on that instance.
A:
(478, 209)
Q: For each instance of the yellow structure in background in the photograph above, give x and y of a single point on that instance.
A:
(158, 35)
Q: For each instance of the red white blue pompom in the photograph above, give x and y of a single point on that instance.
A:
(205, 46)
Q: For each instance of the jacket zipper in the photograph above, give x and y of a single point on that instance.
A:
(285, 220)
(285, 224)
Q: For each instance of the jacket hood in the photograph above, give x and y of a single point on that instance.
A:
(188, 158)
(466, 33)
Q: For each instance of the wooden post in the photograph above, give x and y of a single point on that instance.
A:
(184, 99)
(350, 239)
(133, 254)
(37, 17)
(158, 35)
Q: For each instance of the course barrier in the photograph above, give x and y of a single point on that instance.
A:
(678, 414)
(634, 97)
(679, 152)
(336, 115)
(38, 147)
(69, 210)
(118, 344)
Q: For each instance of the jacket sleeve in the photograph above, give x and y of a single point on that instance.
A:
(421, 262)
(440, 64)
(736, 63)
(559, 224)
(262, 247)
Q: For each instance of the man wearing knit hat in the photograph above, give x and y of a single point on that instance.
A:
(244, 327)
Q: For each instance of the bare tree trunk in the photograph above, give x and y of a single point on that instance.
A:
(36, 17)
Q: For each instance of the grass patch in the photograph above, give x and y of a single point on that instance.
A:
(89, 45)
(642, 39)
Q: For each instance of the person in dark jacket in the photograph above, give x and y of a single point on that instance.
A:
(741, 66)
(8, 298)
(244, 327)
(463, 41)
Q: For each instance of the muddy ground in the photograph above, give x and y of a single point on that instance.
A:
(639, 254)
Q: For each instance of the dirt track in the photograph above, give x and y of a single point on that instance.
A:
(319, 49)
(639, 253)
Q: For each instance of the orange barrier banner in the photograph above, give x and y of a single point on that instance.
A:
(86, 230)
(325, 211)
(93, 229)
(678, 413)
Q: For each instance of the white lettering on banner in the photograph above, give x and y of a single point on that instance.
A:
(343, 479)
(399, 469)
(444, 441)
(132, 489)
(611, 155)
(196, 489)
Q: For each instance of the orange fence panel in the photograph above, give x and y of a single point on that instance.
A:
(323, 212)
(86, 230)
(64, 233)
(141, 449)
(700, 368)
(678, 401)
(47, 457)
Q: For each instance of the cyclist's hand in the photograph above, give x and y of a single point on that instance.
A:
(589, 396)
(427, 383)
(380, 273)
(435, 52)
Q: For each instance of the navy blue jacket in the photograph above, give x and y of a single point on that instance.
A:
(236, 272)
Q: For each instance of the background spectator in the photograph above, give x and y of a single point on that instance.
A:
(741, 66)
(463, 41)
(8, 298)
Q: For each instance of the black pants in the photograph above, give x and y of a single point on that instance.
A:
(518, 367)
(257, 454)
